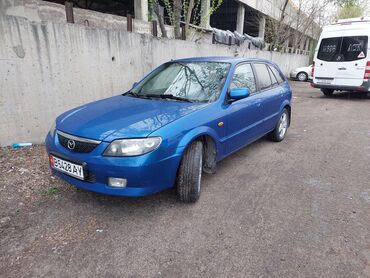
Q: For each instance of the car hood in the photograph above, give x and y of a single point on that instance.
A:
(123, 117)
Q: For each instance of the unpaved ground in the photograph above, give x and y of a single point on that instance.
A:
(299, 208)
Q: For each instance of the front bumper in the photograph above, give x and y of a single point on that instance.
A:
(293, 75)
(145, 174)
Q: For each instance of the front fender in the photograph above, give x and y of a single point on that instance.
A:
(195, 133)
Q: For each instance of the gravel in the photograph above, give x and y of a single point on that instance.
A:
(299, 208)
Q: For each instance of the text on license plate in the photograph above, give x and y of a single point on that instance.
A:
(67, 167)
(324, 81)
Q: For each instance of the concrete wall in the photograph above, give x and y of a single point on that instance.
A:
(47, 68)
(40, 11)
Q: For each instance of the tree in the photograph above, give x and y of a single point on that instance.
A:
(295, 20)
(155, 6)
(186, 11)
(350, 8)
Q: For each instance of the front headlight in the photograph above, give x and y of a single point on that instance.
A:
(132, 147)
(52, 129)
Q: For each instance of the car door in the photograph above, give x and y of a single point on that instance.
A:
(244, 115)
(325, 62)
(271, 95)
(353, 53)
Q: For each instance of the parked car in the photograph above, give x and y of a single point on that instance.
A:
(182, 118)
(302, 73)
(342, 60)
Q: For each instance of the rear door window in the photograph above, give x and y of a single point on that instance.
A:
(329, 48)
(263, 76)
(340, 49)
(276, 74)
(354, 48)
(273, 78)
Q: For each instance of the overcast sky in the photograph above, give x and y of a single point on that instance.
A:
(331, 10)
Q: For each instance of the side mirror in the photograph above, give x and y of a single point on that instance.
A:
(239, 93)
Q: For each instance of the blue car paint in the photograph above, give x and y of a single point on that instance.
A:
(177, 123)
(239, 93)
(122, 117)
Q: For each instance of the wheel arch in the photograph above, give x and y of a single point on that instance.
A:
(211, 145)
(289, 108)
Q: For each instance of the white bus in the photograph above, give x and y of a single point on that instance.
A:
(342, 57)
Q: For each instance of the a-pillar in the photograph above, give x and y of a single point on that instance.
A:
(141, 9)
(205, 6)
(262, 27)
(240, 19)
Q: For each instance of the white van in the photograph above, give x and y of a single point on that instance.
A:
(342, 57)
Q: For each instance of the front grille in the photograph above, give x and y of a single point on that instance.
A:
(79, 146)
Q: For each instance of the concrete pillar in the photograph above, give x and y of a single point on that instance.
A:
(262, 27)
(205, 6)
(295, 40)
(240, 19)
(141, 9)
(286, 43)
(302, 44)
(307, 46)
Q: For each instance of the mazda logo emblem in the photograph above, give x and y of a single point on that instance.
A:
(71, 144)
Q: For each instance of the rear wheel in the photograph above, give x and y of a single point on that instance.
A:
(327, 92)
(190, 173)
(302, 76)
(278, 134)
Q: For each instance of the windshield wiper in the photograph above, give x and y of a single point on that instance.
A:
(131, 93)
(168, 96)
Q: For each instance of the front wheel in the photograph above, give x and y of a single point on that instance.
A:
(327, 92)
(190, 173)
(278, 134)
(302, 76)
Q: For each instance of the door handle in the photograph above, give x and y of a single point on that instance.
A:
(342, 68)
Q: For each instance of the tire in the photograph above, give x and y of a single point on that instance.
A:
(188, 183)
(327, 92)
(302, 76)
(281, 128)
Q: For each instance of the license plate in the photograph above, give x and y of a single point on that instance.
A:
(324, 81)
(69, 168)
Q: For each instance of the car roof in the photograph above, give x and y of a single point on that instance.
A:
(222, 59)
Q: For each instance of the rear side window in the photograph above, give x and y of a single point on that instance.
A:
(339, 49)
(277, 74)
(263, 76)
(244, 78)
(272, 76)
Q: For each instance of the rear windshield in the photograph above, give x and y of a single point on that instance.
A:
(343, 49)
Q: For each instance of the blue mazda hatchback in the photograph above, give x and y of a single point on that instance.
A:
(174, 124)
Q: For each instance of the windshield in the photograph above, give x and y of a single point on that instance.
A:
(343, 49)
(195, 81)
